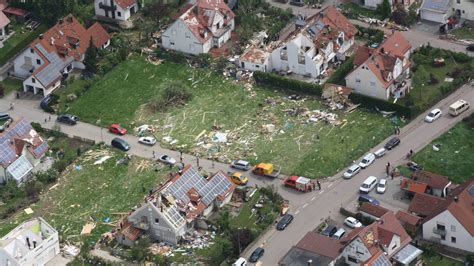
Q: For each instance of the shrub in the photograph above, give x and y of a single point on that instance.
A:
(278, 82)
(48, 176)
(346, 212)
(37, 127)
(174, 94)
(374, 103)
(339, 76)
(433, 79)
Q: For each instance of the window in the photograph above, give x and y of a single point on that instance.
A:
(188, 35)
(453, 239)
(352, 259)
(464, 11)
(443, 237)
(358, 80)
(33, 80)
(157, 220)
(372, 83)
(171, 43)
(119, 13)
(32, 51)
(38, 61)
(458, 1)
(453, 228)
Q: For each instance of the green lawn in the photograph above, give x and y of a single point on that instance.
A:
(465, 33)
(20, 39)
(93, 193)
(354, 10)
(121, 96)
(11, 84)
(440, 261)
(455, 157)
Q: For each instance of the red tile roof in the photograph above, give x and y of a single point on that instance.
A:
(396, 45)
(319, 244)
(4, 21)
(362, 53)
(433, 180)
(125, 4)
(460, 203)
(424, 204)
(3, 4)
(407, 218)
(374, 210)
(336, 19)
(99, 35)
(130, 232)
(16, 11)
(413, 186)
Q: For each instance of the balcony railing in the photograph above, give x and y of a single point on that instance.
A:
(441, 232)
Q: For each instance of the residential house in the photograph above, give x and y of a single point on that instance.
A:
(256, 59)
(410, 222)
(120, 10)
(199, 27)
(57, 52)
(437, 10)
(437, 185)
(326, 37)
(452, 223)
(463, 9)
(170, 212)
(424, 204)
(4, 21)
(21, 148)
(34, 242)
(381, 73)
(321, 250)
(372, 211)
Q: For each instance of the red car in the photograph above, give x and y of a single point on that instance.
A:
(117, 129)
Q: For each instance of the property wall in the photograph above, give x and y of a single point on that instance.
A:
(464, 240)
(363, 81)
(20, 60)
(178, 37)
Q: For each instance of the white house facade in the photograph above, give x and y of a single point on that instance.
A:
(116, 9)
(436, 10)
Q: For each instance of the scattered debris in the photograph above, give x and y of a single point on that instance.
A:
(71, 251)
(102, 159)
(29, 211)
(87, 228)
(220, 137)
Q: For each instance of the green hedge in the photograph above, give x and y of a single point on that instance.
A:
(339, 76)
(373, 103)
(21, 45)
(286, 84)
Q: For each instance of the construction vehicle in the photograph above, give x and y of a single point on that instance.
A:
(238, 178)
(266, 169)
(299, 183)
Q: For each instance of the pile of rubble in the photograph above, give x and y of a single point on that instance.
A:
(197, 239)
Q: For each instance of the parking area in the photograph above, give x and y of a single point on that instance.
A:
(427, 26)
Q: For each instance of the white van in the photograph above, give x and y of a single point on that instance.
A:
(458, 107)
(368, 184)
(240, 262)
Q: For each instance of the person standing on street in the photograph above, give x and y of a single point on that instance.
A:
(319, 184)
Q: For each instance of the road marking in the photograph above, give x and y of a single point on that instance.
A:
(321, 192)
(304, 205)
(330, 185)
(296, 212)
(313, 198)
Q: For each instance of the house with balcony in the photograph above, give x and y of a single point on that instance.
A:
(171, 211)
(119, 10)
(452, 222)
(33, 242)
(383, 72)
(200, 26)
(317, 41)
(21, 149)
(57, 52)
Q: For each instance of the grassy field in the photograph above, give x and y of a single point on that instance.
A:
(91, 194)
(464, 33)
(20, 39)
(455, 157)
(300, 147)
(354, 10)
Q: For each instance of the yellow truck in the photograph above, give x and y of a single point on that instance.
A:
(266, 169)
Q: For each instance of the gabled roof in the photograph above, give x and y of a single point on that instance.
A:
(438, 6)
(362, 53)
(413, 186)
(433, 180)
(378, 259)
(99, 35)
(396, 45)
(15, 137)
(125, 4)
(424, 204)
(16, 11)
(339, 21)
(460, 203)
(321, 245)
(4, 21)
(374, 210)
(407, 218)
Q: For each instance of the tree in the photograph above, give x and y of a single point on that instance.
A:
(91, 59)
(400, 15)
(384, 9)
(420, 78)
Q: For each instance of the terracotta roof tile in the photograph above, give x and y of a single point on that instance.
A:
(374, 210)
(407, 218)
(99, 35)
(431, 179)
(3, 4)
(319, 244)
(396, 44)
(362, 53)
(413, 186)
(125, 4)
(4, 21)
(424, 204)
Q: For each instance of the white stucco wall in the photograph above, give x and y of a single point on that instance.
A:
(364, 81)
(21, 59)
(124, 13)
(464, 240)
(466, 8)
(178, 37)
(357, 250)
(434, 16)
(264, 67)
(372, 3)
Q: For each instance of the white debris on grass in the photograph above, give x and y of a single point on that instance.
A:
(102, 159)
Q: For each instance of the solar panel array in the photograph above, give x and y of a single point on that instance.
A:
(208, 190)
(174, 217)
(471, 191)
(7, 152)
(53, 70)
(381, 261)
(41, 148)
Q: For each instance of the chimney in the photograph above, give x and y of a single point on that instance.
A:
(52, 41)
(61, 21)
(456, 199)
(41, 36)
(310, 262)
(69, 19)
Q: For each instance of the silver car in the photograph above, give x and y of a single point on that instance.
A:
(167, 160)
(241, 164)
(351, 171)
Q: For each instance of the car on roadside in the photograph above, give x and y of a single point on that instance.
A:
(284, 222)
(351, 171)
(120, 144)
(368, 159)
(67, 119)
(329, 231)
(392, 143)
(470, 47)
(150, 141)
(5, 121)
(241, 165)
(167, 160)
(352, 222)
(256, 254)
(117, 129)
(382, 186)
(369, 199)
(339, 233)
(433, 115)
(297, 2)
(239, 179)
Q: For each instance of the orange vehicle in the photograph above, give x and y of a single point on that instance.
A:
(266, 169)
(299, 183)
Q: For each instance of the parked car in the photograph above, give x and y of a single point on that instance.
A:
(392, 143)
(470, 47)
(368, 184)
(241, 165)
(297, 2)
(352, 222)
(368, 159)
(120, 144)
(5, 121)
(339, 233)
(67, 119)
(458, 107)
(382, 186)
(380, 152)
(284, 222)
(256, 254)
(239, 179)
(329, 231)
(117, 129)
(433, 115)
(147, 141)
(167, 159)
(351, 171)
(44, 104)
(369, 199)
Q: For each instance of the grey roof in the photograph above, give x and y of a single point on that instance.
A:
(439, 6)
(407, 254)
(300, 257)
(207, 189)
(53, 70)
(174, 217)
(381, 260)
